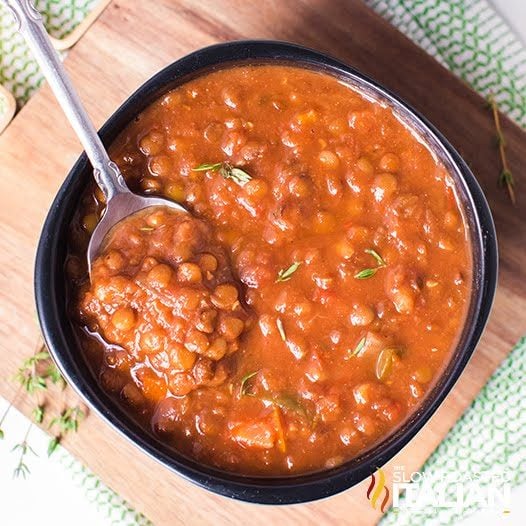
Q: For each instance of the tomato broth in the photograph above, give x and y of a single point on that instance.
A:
(306, 305)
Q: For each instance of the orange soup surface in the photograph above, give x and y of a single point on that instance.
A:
(307, 303)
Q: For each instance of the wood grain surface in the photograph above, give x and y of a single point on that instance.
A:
(131, 41)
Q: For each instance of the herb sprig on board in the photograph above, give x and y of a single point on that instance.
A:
(21, 469)
(35, 376)
(66, 422)
(506, 177)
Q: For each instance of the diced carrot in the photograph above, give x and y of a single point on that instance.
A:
(258, 434)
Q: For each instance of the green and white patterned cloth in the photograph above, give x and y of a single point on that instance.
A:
(19, 72)
(471, 40)
(489, 439)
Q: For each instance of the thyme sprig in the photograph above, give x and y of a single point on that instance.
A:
(28, 376)
(506, 177)
(21, 469)
(67, 421)
(35, 376)
(228, 171)
(4, 416)
(370, 272)
(36, 370)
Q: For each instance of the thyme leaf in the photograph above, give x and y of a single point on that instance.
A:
(68, 420)
(52, 446)
(366, 273)
(505, 177)
(370, 272)
(204, 167)
(379, 259)
(289, 403)
(281, 329)
(245, 381)
(38, 414)
(21, 469)
(359, 347)
(286, 274)
(237, 175)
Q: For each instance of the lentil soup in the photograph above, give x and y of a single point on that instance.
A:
(305, 308)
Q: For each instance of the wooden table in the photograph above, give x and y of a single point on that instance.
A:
(131, 41)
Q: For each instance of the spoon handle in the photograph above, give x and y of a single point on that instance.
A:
(30, 26)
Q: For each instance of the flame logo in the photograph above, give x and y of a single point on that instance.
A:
(375, 490)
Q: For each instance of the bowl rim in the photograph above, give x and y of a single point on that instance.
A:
(264, 490)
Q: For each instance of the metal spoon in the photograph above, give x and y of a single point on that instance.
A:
(120, 201)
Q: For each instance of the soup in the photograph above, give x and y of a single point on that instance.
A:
(306, 305)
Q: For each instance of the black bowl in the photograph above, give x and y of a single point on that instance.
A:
(51, 292)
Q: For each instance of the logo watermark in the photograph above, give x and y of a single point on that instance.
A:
(415, 490)
(377, 489)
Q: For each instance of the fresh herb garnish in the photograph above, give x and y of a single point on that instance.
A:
(27, 375)
(228, 171)
(21, 469)
(370, 272)
(505, 177)
(237, 175)
(359, 347)
(213, 167)
(244, 386)
(292, 403)
(35, 376)
(54, 375)
(379, 259)
(38, 414)
(52, 445)
(68, 420)
(288, 403)
(286, 274)
(366, 273)
(281, 329)
(384, 362)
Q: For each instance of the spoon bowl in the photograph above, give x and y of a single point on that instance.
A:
(119, 207)
(123, 204)
(120, 201)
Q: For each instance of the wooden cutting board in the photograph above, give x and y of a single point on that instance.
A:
(130, 42)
